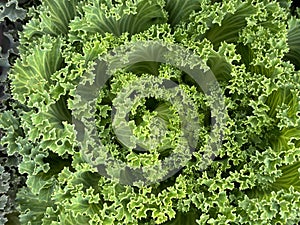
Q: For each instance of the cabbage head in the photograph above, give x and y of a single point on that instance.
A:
(187, 153)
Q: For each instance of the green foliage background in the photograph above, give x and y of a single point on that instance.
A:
(12, 17)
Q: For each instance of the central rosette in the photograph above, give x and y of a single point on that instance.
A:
(150, 118)
(149, 103)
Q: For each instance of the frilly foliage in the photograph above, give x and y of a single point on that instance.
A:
(12, 16)
(252, 47)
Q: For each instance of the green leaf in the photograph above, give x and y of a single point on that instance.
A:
(54, 19)
(34, 207)
(131, 17)
(31, 75)
(179, 11)
(294, 42)
(231, 25)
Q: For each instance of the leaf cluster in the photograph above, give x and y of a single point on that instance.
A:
(253, 49)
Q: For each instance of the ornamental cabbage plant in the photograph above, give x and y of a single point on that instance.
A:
(188, 152)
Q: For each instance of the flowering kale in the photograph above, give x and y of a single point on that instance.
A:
(247, 174)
